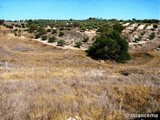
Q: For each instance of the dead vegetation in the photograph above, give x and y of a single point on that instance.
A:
(43, 82)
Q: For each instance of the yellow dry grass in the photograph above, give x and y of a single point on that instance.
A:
(44, 82)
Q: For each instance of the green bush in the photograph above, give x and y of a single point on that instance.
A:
(118, 27)
(54, 31)
(37, 35)
(32, 28)
(151, 36)
(1, 22)
(110, 45)
(145, 26)
(15, 30)
(51, 39)
(23, 26)
(49, 30)
(61, 28)
(9, 26)
(69, 29)
(143, 33)
(61, 34)
(155, 26)
(41, 30)
(15, 34)
(44, 37)
(83, 29)
(60, 42)
(137, 40)
(85, 39)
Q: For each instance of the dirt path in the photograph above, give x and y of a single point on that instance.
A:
(55, 45)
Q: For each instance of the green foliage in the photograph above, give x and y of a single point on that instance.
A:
(60, 42)
(49, 30)
(110, 45)
(44, 37)
(155, 26)
(61, 34)
(78, 44)
(90, 23)
(85, 39)
(17, 25)
(151, 36)
(83, 29)
(145, 26)
(150, 21)
(15, 34)
(15, 30)
(137, 40)
(1, 22)
(143, 33)
(104, 28)
(52, 25)
(23, 26)
(32, 28)
(37, 35)
(135, 28)
(61, 28)
(54, 31)
(51, 39)
(69, 29)
(118, 27)
(8, 26)
(41, 30)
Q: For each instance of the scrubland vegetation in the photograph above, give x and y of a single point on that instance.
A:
(107, 80)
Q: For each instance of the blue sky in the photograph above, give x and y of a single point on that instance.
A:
(79, 9)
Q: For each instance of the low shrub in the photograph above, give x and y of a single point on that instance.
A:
(61, 34)
(49, 30)
(151, 36)
(37, 35)
(54, 31)
(51, 39)
(60, 42)
(155, 26)
(44, 37)
(61, 28)
(85, 39)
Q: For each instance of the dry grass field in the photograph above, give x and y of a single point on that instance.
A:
(41, 82)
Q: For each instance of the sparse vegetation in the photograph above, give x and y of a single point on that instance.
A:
(143, 33)
(61, 34)
(85, 39)
(61, 28)
(151, 36)
(49, 30)
(51, 39)
(54, 31)
(44, 37)
(60, 42)
(37, 35)
(118, 27)
(155, 26)
(137, 40)
(1, 22)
